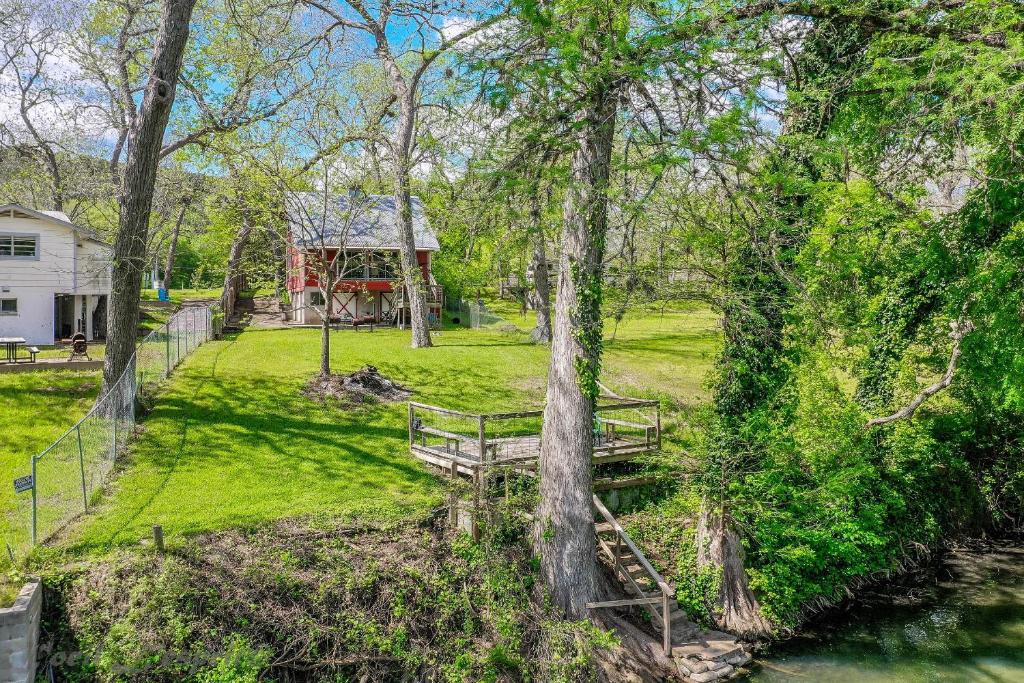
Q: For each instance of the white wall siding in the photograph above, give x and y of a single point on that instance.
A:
(66, 263)
(34, 320)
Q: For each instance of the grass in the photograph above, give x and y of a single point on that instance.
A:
(179, 296)
(38, 407)
(233, 442)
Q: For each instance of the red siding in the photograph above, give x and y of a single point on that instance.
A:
(297, 266)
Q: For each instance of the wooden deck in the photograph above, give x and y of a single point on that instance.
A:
(444, 437)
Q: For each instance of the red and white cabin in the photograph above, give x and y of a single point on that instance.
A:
(363, 228)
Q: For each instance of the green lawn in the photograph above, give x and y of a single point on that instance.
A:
(38, 407)
(179, 296)
(232, 441)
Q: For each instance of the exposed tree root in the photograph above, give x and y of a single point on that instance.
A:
(718, 547)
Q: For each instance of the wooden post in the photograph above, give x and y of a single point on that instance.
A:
(483, 438)
(476, 503)
(666, 624)
(617, 566)
(158, 538)
(412, 419)
(485, 473)
(453, 497)
(657, 412)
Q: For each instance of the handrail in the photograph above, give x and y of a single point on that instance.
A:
(641, 558)
(666, 590)
(539, 412)
(442, 411)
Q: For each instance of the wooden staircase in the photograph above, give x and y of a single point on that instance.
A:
(700, 655)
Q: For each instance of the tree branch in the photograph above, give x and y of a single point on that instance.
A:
(960, 329)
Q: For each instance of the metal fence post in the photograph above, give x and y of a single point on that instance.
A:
(177, 338)
(35, 486)
(81, 466)
(167, 340)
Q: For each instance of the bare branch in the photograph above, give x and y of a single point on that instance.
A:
(960, 329)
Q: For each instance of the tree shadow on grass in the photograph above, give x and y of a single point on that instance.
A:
(241, 411)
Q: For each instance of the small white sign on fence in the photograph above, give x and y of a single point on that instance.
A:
(22, 484)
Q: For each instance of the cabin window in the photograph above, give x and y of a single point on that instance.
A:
(354, 265)
(8, 307)
(384, 266)
(19, 246)
(317, 299)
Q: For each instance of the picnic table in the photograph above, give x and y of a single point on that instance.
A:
(12, 343)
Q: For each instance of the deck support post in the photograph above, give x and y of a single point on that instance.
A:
(412, 421)
(485, 469)
(453, 497)
(657, 422)
(475, 526)
(666, 624)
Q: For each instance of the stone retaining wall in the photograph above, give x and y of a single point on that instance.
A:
(19, 635)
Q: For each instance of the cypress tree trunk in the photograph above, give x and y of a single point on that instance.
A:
(541, 285)
(735, 608)
(564, 534)
(136, 198)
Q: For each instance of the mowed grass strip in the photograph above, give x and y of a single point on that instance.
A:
(232, 441)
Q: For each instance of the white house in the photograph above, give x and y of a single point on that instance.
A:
(54, 277)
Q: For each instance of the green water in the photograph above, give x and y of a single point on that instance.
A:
(966, 624)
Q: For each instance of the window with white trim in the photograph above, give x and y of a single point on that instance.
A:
(317, 298)
(8, 307)
(19, 246)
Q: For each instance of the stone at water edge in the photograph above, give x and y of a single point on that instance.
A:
(691, 666)
(740, 659)
(709, 676)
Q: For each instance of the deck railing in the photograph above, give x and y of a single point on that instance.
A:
(622, 428)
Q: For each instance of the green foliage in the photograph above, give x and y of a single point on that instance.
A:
(239, 664)
(318, 599)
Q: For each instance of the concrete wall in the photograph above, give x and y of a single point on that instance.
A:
(19, 635)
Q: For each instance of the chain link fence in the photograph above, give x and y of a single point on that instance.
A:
(67, 475)
(481, 317)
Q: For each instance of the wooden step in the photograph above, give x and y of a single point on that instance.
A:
(717, 649)
(603, 527)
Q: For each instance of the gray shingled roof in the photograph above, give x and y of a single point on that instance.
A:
(58, 217)
(358, 220)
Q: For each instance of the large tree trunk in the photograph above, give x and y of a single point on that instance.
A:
(719, 549)
(172, 248)
(231, 275)
(541, 286)
(564, 534)
(412, 275)
(136, 198)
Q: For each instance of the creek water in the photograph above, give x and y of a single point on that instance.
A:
(966, 623)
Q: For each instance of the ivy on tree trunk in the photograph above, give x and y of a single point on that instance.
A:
(564, 537)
